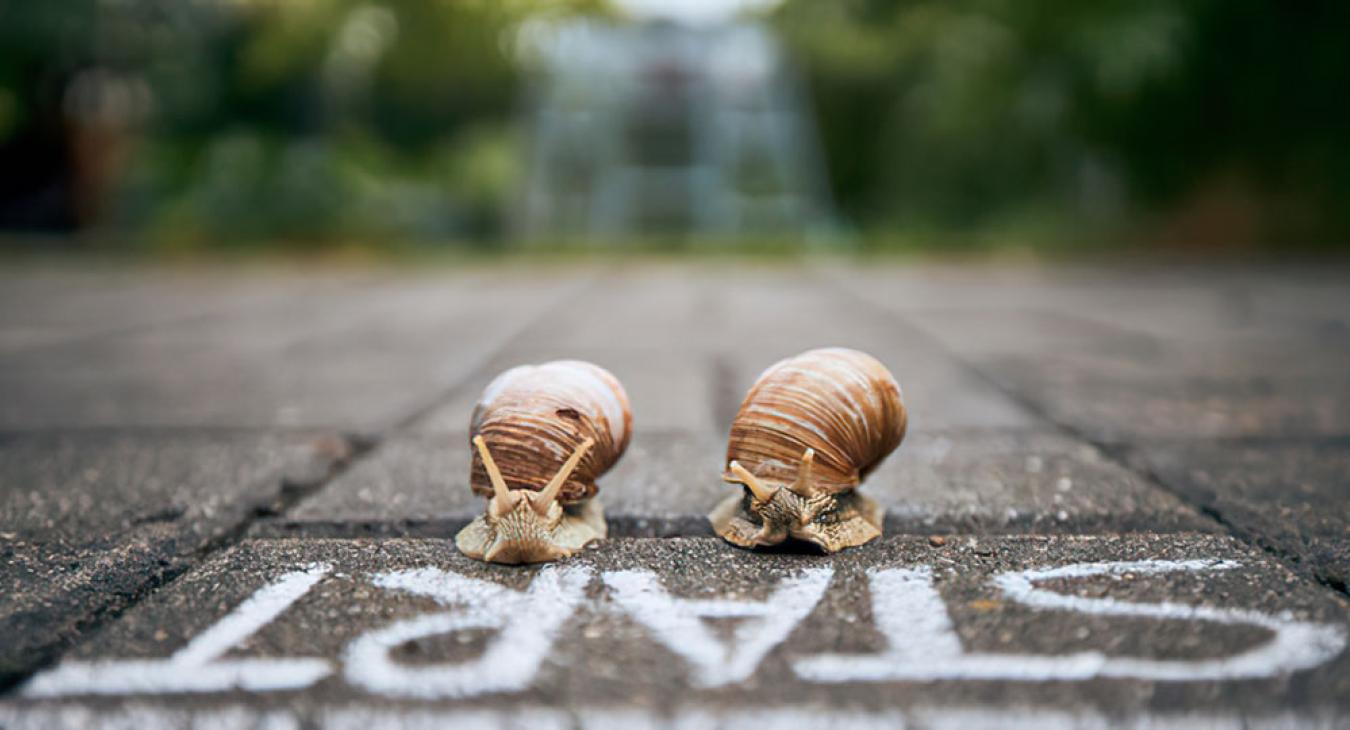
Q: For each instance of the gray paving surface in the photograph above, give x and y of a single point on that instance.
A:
(1231, 386)
(609, 650)
(1189, 421)
(91, 519)
(940, 482)
(359, 359)
(1289, 498)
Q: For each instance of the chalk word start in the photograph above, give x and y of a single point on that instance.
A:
(921, 642)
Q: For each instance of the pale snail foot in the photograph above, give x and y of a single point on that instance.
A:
(578, 526)
(854, 520)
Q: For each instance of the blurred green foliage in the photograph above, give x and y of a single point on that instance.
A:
(1208, 122)
(300, 120)
(1213, 122)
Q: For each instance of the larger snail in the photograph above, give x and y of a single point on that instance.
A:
(808, 432)
(542, 435)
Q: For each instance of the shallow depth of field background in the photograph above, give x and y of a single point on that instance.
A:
(163, 126)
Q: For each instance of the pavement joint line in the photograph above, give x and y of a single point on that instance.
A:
(637, 526)
(291, 494)
(1114, 452)
(191, 319)
(1114, 329)
(722, 390)
(366, 445)
(1117, 453)
(1250, 537)
(256, 520)
(171, 431)
(491, 359)
(620, 526)
(108, 613)
(49, 654)
(1319, 441)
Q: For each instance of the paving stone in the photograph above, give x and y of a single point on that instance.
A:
(683, 337)
(1092, 626)
(1290, 498)
(657, 308)
(88, 520)
(1118, 387)
(1181, 303)
(45, 305)
(102, 497)
(356, 360)
(668, 390)
(663, 485)
(788, 315)
(1127, 410)
(1098, 367)
(962, 481)
(1019, 480)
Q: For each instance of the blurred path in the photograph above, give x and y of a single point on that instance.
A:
(1123, 495)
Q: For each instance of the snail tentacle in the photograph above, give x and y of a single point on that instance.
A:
(502, 496)
(802, 486)
(545, 497)
(757, 488)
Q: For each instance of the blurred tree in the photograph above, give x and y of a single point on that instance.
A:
(963, 112)
(271, 118)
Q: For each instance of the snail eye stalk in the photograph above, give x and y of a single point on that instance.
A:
(757, 488)
(550, 492)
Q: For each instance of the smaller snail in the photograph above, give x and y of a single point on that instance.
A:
(541, 435)
(808, 432)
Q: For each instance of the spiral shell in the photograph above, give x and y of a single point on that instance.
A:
(808, 432)
(842, 403)
(533, 417)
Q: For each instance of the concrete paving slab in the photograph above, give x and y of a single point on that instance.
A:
(683, 336)
(957, 481)
(357, 360)
(87, 521)
(986, 481)
(1195, 304)
(1204, 357)
(43, 305)
(1123, 410)
(418, 483)
(1117, 387)
(1144, 627)
(669, 389)
(1290, 498)
(779, 316)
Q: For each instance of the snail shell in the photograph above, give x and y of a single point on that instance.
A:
(808, 432)
(541, 435)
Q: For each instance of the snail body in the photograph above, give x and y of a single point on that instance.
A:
(541, 435)
(808, 432)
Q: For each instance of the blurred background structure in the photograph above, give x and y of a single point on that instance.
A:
(899, 123)
(665, 127)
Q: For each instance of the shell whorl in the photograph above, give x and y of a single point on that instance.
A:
(533, 417)
(842, 403)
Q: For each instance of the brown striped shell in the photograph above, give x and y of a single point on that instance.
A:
(533, 417)
(843, 403)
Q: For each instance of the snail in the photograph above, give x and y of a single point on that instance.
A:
(541, 436)
(808, 432)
